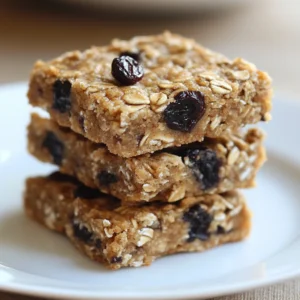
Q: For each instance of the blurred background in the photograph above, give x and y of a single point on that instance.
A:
(266, 32)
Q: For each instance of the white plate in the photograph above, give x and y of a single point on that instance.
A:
(38, 262)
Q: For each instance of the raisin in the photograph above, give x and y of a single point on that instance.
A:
(85, 192)
(182, 150)
(54, 146)
(98, 243)
(81, 123)
(106, 178)
(135, 55)
(199, 221)
(126, 70)
(61, 98)
(57, 176)
(205, 165)
(220, 229)
(82, 233)
(116, 259)
(184, 113)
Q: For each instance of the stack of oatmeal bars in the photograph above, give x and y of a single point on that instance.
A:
(147, 137)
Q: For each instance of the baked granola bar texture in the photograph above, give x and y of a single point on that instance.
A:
(120, 236)
(172, 92)
(212, 166)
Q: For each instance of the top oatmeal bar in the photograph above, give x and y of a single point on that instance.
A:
(150, 92)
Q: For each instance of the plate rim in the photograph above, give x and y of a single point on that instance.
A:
(61, 293)
(56, 292)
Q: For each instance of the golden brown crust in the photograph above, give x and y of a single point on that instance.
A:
(129, 120)
(121, 236)
(159, 176)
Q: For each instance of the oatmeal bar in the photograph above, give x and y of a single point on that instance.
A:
(150, 93)
(209, 167)
(121, 236)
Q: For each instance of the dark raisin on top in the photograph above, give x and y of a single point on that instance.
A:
(85, 192)
(106, 178)
(135, 55)
(205, 165)
(126, 70)
(184, 113)
(82, 233)
(116, 259)
(199, 221)
(54, 146)
(62, 96)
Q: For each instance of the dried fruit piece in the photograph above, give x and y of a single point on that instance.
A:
(98, 243)
(184, 113)
(116, 259)
(106, 178)
(61, 96)
(135, 55)
(205, 165)
(81, 122)
(54, 146)
(199, 221)
(82, 233)
(220, 230)
(126, 70)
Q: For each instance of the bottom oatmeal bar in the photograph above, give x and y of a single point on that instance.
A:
(121, 236)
